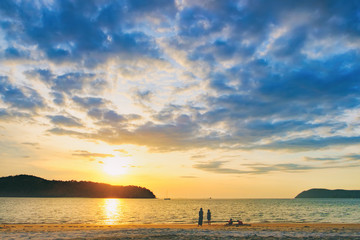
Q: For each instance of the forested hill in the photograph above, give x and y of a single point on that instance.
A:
(32, 186)
(326, 193)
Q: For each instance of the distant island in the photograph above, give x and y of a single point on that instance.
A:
(326, 193)
(32, 186)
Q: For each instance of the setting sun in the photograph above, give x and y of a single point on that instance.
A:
(115, 166)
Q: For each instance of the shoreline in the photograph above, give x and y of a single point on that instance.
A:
(251, 227)
(179, 225)
(181, 231)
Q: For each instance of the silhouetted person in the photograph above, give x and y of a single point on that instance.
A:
(230, 222)
(201, 216)
(208, 216)
(239, 223)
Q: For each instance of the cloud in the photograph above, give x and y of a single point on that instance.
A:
(24, 98)
(143, 98)
(268, 75)
(12, 53)
(44, 75)
(61, 120)
(67, 83)
(105, 116)
(89, 102)
(219, 83)
(181, 134)
(121, 151)
(311, 143)
(90, 155)
(265, 82)
(98, 85)
(4, 113)
(347, 157)
(112, 116)
(168, 113)
(72, 85)
(10, 115)
(59, 98)
(67, 31)
(290, 44)
(352, 157)
(184, 133)
(65, 132)
(217, 167)
(143, 95)
(322, 158)
(33, 144)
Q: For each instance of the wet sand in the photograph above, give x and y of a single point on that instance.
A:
(181, 231)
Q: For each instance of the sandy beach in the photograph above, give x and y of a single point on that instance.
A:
(181, 231)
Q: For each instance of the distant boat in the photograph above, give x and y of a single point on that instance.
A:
(167, 198)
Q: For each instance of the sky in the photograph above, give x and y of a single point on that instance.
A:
(191, 99)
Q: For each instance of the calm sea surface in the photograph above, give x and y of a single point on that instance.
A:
(156, 211)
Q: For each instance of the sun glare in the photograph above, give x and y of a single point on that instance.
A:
(115, 166)
(112, 210)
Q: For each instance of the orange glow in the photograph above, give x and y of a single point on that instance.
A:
(114, 166)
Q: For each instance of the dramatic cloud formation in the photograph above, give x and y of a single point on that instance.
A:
(187, 75)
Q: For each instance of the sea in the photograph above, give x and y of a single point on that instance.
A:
(179, 211)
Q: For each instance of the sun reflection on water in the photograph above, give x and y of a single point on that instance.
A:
(112, 210)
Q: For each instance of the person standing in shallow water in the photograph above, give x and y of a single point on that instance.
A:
(208, 216)
(201, 216)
